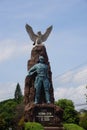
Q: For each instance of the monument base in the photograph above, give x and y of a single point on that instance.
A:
(49, 115)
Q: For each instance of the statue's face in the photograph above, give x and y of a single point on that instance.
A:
(41, 59)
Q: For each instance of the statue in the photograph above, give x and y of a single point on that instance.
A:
(39, 37)
(41, 79)
(38, 91)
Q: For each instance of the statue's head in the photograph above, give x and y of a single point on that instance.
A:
(41, 59)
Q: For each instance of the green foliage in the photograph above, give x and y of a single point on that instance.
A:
(21, 122)
(70, 114)
(72, 127)
(83, 120)
(63, 103)
(33, 126)
(7, 112)
(10, 110)
(18, 93)
(2, 123)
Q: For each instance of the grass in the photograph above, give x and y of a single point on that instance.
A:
(72, 127)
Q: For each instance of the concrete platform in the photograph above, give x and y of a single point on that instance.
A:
(53, 128)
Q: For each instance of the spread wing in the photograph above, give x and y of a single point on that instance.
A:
(46, 34)
(29, 30)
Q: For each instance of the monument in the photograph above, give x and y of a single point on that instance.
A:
(38, 91)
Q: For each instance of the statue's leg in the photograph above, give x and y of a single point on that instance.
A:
(46, 89)
(38, 84)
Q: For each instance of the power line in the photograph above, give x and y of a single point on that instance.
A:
(84, 108)
(79, 66)
(76, 69)
(80, 104)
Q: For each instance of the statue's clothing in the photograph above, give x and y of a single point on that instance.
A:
(41, 80)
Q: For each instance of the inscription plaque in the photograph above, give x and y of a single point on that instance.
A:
(44, 115)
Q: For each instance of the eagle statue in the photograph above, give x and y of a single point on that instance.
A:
(38, 38)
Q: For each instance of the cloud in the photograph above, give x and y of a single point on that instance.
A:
(76, 94)
(66, 78)
(72, 78)
(11, 48)
(7, 90)
(72, 85)
(81, 76)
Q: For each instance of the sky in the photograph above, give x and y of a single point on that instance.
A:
(66, 46)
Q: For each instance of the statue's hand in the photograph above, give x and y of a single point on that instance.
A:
(31, 73)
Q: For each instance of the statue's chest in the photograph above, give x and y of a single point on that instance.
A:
(42, 68)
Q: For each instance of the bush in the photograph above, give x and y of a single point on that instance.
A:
(2, 124)
(70, 115)
(33, 126)
(83, 121)
(72, 127)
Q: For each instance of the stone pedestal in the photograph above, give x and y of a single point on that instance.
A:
(49, 115)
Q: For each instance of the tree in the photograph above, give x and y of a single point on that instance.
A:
(18, 93)
(2, 123)
(64, 103)
(83, 119)
(70, 114)
(7, 113)
(11, 111)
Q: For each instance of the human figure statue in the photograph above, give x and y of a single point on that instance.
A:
(39, 37)
(41, 79)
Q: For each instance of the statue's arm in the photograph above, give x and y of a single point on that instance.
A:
(32, 70)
